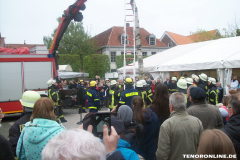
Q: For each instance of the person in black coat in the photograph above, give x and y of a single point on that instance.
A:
(167, 82)
(27, 101)
(6, 151)
(231, 129)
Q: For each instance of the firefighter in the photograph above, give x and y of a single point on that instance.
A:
(203, 83)
(189, 81)
(129, 93)
(114, 94)
(149, 94)
(141, 91)
(93, 97)
(54, 95)
(195, 79)
(84, 90)
(213, 91)
(173, 85)
(28, 100)
(182, 87)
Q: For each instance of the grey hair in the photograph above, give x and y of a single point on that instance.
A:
(74, 144)
(178, 100)
(189, 88)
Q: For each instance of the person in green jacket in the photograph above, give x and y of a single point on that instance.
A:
(180, 133)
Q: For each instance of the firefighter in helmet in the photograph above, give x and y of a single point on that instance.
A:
(173, 85)
(93, 97)
(149, 95)
(114, 94)
(54, 95)
(213, 91)
(129, 93)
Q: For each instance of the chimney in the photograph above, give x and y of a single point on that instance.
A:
(127, 24)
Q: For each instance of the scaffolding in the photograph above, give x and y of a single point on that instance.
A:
(129, 43)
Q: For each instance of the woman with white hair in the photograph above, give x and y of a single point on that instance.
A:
(81, 145)
(74, 144)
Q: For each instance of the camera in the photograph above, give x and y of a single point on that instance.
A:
(97, 120)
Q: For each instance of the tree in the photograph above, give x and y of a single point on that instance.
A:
(203, 35)
(96, 64)
(138, 42)
(74, 41)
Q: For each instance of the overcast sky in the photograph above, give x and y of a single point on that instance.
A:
(30, 20)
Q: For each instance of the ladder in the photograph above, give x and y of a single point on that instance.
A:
(129, 18)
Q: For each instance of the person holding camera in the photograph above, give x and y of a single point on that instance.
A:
(93, 97)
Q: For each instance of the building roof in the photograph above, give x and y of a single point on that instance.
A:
(180, 39)
(14, 46)
(112, 37)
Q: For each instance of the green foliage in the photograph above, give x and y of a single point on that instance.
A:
(203, 35)
(119, 60)
(96, 64)
(74, 41)
(72, 60)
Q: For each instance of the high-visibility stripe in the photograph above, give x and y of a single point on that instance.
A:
(61, 116)
(131, 94)
(89, 94)
(92, 107)
(96, 99)
(122, 102)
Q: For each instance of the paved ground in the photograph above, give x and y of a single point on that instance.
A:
(71, 115)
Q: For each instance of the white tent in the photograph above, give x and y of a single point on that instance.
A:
(221, 54)
(214, 54)
(66, 75)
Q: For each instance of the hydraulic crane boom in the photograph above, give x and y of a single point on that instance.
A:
(71, 13)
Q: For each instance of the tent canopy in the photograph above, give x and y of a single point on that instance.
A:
(214, 54)
(66, 75)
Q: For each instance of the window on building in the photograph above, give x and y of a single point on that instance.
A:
(152, 40)
(153, 53)
(122, 53)
(113, 56)
(113, 70)
(123, 38)
(144, 53)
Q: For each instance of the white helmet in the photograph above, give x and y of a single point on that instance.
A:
(189, 80)
(113, 82)
(49, 82)
(212, 80)
(203, 77)
(143, 82)
(174, 78)
(195, 78)
(29, 98)
(182, 83)
(139, 84)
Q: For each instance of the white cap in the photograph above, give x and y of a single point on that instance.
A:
(182, 83)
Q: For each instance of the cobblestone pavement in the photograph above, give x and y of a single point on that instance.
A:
(71, 115)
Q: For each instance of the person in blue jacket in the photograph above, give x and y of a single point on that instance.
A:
(123, 145)
(93, 97)
(41, 128)
(128, 94)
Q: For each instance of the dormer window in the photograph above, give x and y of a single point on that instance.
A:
(152, 40)
(123, 38)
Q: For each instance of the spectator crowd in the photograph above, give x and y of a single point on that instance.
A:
(149, 120)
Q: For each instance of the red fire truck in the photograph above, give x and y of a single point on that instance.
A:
(21, 72)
